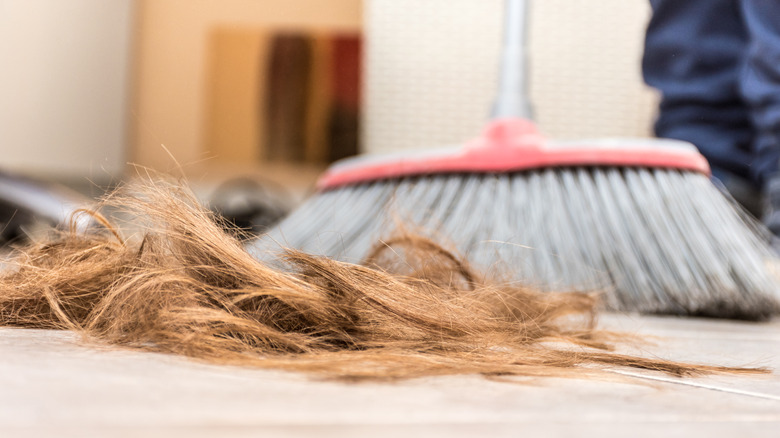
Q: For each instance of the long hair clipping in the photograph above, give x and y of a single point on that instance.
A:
(162, 275)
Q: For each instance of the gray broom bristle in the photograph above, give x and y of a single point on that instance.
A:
(656, 241)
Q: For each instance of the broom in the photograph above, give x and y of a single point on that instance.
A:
(638, 219)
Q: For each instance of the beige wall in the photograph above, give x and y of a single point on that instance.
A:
(63, 86)
(171, 99)
(432, 69)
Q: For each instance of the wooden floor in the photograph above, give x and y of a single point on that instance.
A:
(51, 385)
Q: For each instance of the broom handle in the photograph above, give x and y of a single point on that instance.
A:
(512, 100)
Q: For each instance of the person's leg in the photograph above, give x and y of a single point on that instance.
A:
(760, 82)
(693, 54)
(760, 87)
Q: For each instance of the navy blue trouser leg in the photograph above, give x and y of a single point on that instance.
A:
(760, 83)
(694, 51)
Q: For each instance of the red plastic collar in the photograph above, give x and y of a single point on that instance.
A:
(509, 145)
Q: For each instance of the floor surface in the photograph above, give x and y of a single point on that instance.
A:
(51, 385)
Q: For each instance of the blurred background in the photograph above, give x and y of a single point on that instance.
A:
(276, 90)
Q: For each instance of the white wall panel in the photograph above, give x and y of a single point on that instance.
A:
(63, 86)
(432, 69)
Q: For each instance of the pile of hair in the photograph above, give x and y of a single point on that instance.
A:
(180, 284)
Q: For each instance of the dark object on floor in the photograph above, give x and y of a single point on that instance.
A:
(771, 212)
(251, 205)
(638, 219)
(27, 203)
(12, 221)
(742, 190)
